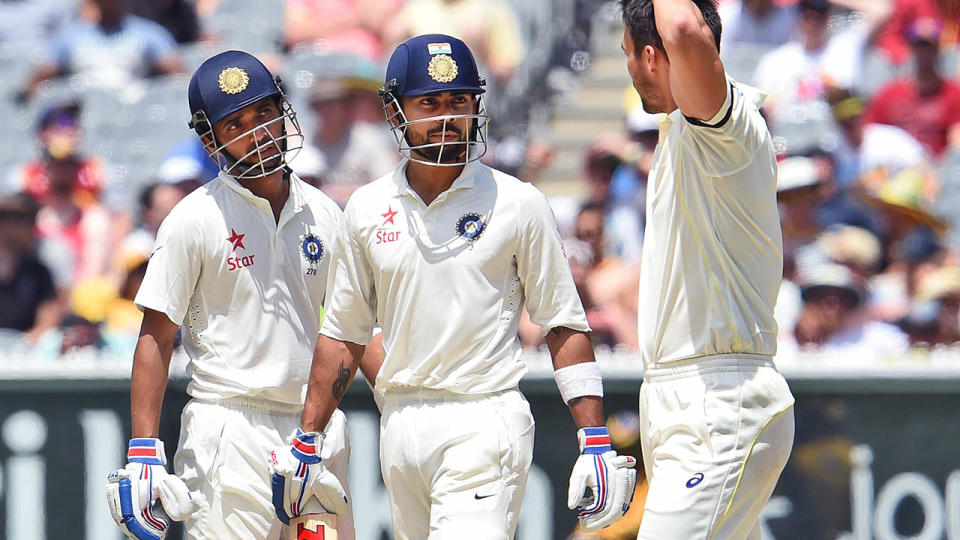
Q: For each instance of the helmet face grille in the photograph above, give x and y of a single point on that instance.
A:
(270, 155)
(437, 154)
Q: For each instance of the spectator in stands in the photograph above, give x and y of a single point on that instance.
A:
(756, 22)
(797, 74)
(622, 202)
(59, 139)
(878, 150)
(353, 153)
(935, 319)
(113, 51)
(121, 324)
(82, 232)
(179, 17)
(27, 292)
(799, 193)
(924, 104)
(840, 204)
(28, 24)
(894, 39)
(833, 319)
(156, 201)
(489, 27)
(608, 286)
(188, 163)
(911, 258)
(356, 26)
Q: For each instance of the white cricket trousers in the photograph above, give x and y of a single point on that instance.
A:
(224, 453)
(455, 466)
(716, 433)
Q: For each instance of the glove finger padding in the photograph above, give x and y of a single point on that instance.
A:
(614, 499)
(130, 498)
(177, 500)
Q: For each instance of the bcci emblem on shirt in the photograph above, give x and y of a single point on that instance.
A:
(311, 248)
(470, 226)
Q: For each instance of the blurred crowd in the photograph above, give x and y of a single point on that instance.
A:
(863, 104)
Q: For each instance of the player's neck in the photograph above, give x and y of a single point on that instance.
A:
(430, 181)
(275, 188)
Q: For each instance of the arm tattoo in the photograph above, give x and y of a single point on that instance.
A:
(342, 381)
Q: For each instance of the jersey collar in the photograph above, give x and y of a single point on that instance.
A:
(466, 180)
(295, 199)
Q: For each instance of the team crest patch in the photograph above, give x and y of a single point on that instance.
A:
(442, 68)
(233, 80)
(470, 226)
(311, 248)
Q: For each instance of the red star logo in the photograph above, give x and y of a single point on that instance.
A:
(388, 216)
(236, 240)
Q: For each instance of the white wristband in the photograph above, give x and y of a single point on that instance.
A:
(579, 380)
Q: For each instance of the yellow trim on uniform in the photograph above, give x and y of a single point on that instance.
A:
(738, 344)
(744, 468)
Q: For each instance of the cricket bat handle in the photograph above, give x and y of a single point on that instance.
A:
(314, 524)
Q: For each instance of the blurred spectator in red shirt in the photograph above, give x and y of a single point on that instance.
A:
(894, 39)
(356, 26)
(58, 133)
(926, 105)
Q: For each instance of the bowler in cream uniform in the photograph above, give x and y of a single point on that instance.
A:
(444, 253)
(716, 415)
(241, 264)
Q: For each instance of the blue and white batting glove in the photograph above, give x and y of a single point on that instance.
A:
(602, 483)
(143, 497)
(299, 475)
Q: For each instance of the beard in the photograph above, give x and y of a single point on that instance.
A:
(447, 152)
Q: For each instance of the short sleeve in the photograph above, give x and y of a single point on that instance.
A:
(551, 296)
(726, 143)
(350, 309)
(173, 269)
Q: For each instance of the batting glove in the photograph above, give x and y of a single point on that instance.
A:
(602, 483)
(299, 474)
(143, 497)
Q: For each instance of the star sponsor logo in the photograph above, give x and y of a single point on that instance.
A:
(236, 239)
(388, 216)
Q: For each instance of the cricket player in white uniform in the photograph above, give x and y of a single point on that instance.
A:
(716, 415)
(241, 264)
(444, 253)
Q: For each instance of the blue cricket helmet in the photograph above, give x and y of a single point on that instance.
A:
(431, 64)
(226, 83)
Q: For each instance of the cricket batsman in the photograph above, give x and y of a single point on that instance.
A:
(444, 253)
(716, 415)
(240, 267)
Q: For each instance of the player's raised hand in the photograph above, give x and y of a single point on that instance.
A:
(602, 483)
(299, 474)
(143, 497)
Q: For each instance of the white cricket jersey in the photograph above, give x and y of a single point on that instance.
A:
(247, 289)
(713, 251)
(447, 281)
